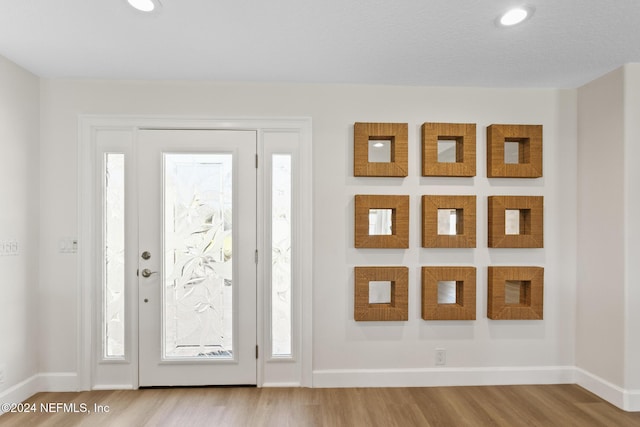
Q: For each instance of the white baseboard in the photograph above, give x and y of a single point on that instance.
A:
(434, 377)
(628, 400)
(19, 392)
(632, 401)
(52, 381)
(58, 381)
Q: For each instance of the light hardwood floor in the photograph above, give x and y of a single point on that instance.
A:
(543, 405)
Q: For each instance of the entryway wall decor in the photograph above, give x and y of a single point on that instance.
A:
(441, 303)
(515, 293)
(461, 210)
(436, 137)
(393, 213)
(514, 151)
(449, 150)
(391, 302)
(390, 139)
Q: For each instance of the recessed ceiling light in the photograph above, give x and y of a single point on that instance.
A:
(515, 16)
(144, 5)
(378, 145)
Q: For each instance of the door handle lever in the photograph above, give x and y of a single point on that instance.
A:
(146, 272)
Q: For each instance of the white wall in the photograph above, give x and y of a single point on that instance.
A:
(608, 320)
(600, 314)
(343, 347)
(632, 227)
(342, 344)
(19, 212)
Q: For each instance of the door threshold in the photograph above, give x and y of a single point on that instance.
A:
(160, 387)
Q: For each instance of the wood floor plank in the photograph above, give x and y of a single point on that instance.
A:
(512, 406)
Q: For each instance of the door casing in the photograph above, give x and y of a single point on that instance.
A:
(96, 373)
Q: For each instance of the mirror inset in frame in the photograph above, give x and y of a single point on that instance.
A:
(381, 221)
(448, 221)
(514, 151)
(448, 293)
(449, 149)
(380, 149)
(515, 293)
(381, 293)
(516, 222)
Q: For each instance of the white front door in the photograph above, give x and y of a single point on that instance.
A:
(197, 268)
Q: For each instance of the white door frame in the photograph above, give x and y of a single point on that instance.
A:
(92, 368)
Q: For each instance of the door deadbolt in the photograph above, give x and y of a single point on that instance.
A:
(145, 255)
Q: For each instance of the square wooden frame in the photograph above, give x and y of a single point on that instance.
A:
(465, 136)
(534, 237)
(529, 309)
(397, 133)
(397, 309)
(530, 138)
(464, 308)
(430, 236)
(400, 221)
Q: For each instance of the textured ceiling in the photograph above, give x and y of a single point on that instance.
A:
(398, 42)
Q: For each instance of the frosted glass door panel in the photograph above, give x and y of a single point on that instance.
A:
(113, 256)
(197, 284)
(198, 250)
(281, 255)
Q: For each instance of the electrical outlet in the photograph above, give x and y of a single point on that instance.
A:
(3, 369)
(9, 247)
(441, 356)
(68, 245)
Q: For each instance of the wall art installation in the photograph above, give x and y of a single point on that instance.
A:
(516, 221)
(381, 293)
(448, 293)
(380, 149)
(449, 221)
(515, 293)
(448, 149)
(514, 151)
(381, 221)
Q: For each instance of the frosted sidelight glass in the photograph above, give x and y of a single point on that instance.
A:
(113, 256)
(198, 256)
(281, 232)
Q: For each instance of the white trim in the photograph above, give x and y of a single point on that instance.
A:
(86, 255)
(628, 400)
(44, 382)
(20, 392)
(58, 381)
(632, 401)
(260, 280)
(88, 125)
(305, 233)
(441, 377)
